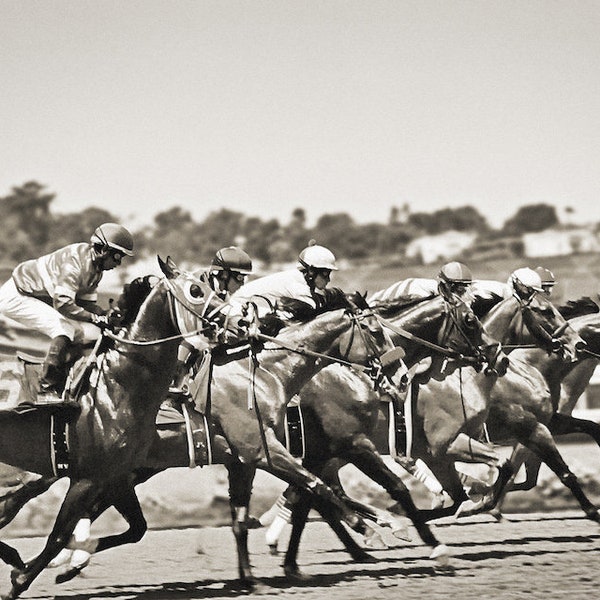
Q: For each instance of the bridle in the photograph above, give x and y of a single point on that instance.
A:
(451, 322)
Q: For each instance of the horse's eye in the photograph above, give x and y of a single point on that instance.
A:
(195, 291)
(471, 321)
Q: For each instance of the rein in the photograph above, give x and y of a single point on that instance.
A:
(312, 353)
(427, 344)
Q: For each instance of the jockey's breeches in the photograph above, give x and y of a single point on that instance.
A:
(35, 314)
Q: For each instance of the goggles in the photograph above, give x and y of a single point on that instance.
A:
(239, 277)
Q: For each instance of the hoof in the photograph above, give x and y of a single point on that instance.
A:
(248, 583)
(372, 539)
(273, 550)
(593, 515)
(497, 514)
(468, 508)
(69, 574)
(361, 556)
(401, 532)
(62, 558)
(441, 554)
(293, 573)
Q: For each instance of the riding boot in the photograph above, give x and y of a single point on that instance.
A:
(179, 383)
(53, 371)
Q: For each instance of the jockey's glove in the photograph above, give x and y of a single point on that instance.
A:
(101, 321)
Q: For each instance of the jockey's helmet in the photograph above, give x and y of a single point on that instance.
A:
(317, 257)
(456, 272)
(232, 258)
(525, 282)
(113, 236)
(454, 280)
(547, 277)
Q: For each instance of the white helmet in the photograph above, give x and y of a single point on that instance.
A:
(317, 257)
(527, 278)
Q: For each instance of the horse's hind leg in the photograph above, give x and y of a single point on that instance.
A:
(80, 496)
(13, 501)
(538, 439)
(562, 424)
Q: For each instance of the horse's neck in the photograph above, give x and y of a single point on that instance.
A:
(588, 327)
(503, 322)
(424, 322)
(155, 361)
(294, 369)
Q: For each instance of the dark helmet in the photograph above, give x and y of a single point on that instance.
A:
(546, 276)
(114, 236)
(232, 258)
(455, 272)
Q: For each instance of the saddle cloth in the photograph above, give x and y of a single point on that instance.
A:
(199, 434)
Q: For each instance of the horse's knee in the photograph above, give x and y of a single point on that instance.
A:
(569, 479)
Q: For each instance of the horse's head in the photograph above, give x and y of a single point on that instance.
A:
(588, 327)
(366, 341)
(191, 307)
(448, 332)
(536, 321)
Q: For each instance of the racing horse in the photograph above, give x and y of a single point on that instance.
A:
(519, 407)
(566, 381)
(134, 381)
(456, 330)
(446, 416)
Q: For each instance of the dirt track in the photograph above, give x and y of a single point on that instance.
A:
(543, 556)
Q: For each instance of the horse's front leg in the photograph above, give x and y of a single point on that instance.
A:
(536, 436)
(127, 504)
(79, 499)
(283, 465)
(241, 477)
(364, 455)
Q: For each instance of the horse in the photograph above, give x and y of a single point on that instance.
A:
(566, 382)
(347, 335)
(110, 433)
(454, 328)
(540, 317)
(519, 407)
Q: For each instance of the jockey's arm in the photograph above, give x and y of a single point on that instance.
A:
(69, 308)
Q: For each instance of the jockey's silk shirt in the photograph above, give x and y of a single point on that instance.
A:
(266, 291)
(61, 278)
(417, 286)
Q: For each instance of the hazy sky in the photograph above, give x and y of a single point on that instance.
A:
(333, 106)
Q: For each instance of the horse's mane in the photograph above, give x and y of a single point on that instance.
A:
(333, 299)
(481, 306)
(390, 308)
(578, 308)
(132, 297)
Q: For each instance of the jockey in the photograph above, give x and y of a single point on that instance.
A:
(228, 271)
(307, 283)
(548, 280)
(454, 282)
(52, 293)
(524, 282)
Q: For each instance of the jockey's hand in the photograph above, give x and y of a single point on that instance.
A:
(115, 318)
(101, 321)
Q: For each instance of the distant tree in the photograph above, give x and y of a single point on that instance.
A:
(77, 227)
(333, 231)
(464, 218)
(531, 218)
(25, 221)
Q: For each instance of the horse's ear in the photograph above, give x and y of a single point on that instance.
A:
(168, 267)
